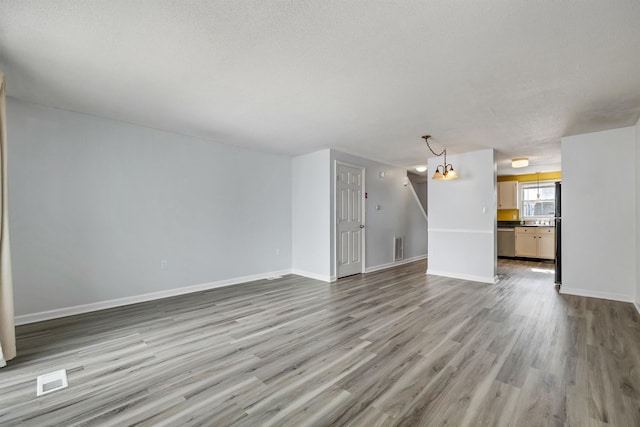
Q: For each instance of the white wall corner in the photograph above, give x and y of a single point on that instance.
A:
(462, 215)
(611, 250)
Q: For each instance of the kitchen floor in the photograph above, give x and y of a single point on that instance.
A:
(543, 270)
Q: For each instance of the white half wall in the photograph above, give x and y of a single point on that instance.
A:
(311, 215)
(399, 214)
(599, 214)
(462, 218)
(96, 205)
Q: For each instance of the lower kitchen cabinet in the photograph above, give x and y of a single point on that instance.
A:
(547, 242)
(526, 242)
(535, 242)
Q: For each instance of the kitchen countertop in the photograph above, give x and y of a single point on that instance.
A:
(511, 224)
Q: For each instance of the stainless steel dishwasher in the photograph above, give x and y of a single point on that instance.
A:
(506, 242)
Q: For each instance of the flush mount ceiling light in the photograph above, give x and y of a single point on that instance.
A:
(444, 171)
(520, 162)
(421, 168)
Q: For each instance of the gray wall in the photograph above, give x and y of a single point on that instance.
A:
(599, 214)
(419, 183)
(95, 205)
(399, 213)
(462, 218)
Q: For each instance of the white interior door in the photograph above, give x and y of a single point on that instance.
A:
(349, 218)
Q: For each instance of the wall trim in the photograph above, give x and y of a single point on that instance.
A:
(459, 230)
(316, 276)
(470, 277)
(135, 299)
(394, 264)
(596, 294)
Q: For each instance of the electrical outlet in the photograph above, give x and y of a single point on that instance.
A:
(164, 264)
(514, 216)
(277, 251)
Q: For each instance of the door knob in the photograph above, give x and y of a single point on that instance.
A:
(361, 226)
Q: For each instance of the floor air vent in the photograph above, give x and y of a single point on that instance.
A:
(54, 381)
(398, 248)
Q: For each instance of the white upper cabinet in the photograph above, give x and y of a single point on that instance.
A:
(508, 195)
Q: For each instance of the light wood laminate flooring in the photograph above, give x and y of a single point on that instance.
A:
(395, 347)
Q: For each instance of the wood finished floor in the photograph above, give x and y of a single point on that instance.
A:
(394, 347)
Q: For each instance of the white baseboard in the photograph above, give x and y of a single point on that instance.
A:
(311, 275)
(469, 277)
(101, 305)
(596, 294)
(394, 264)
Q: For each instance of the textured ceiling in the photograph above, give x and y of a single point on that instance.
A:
(366, 77)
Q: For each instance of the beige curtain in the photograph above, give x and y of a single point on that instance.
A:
(7, 328)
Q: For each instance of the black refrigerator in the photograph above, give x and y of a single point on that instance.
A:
(558, 224)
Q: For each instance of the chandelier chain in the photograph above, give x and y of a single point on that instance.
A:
(426, 139)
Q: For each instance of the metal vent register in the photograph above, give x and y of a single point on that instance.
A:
(398, 248)
(54, 381)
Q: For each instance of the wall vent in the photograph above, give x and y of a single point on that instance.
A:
(398, 248)
(54, 381)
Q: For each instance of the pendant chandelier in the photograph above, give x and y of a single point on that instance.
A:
(444, 171)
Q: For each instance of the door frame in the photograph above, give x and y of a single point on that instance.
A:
(335, 215)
